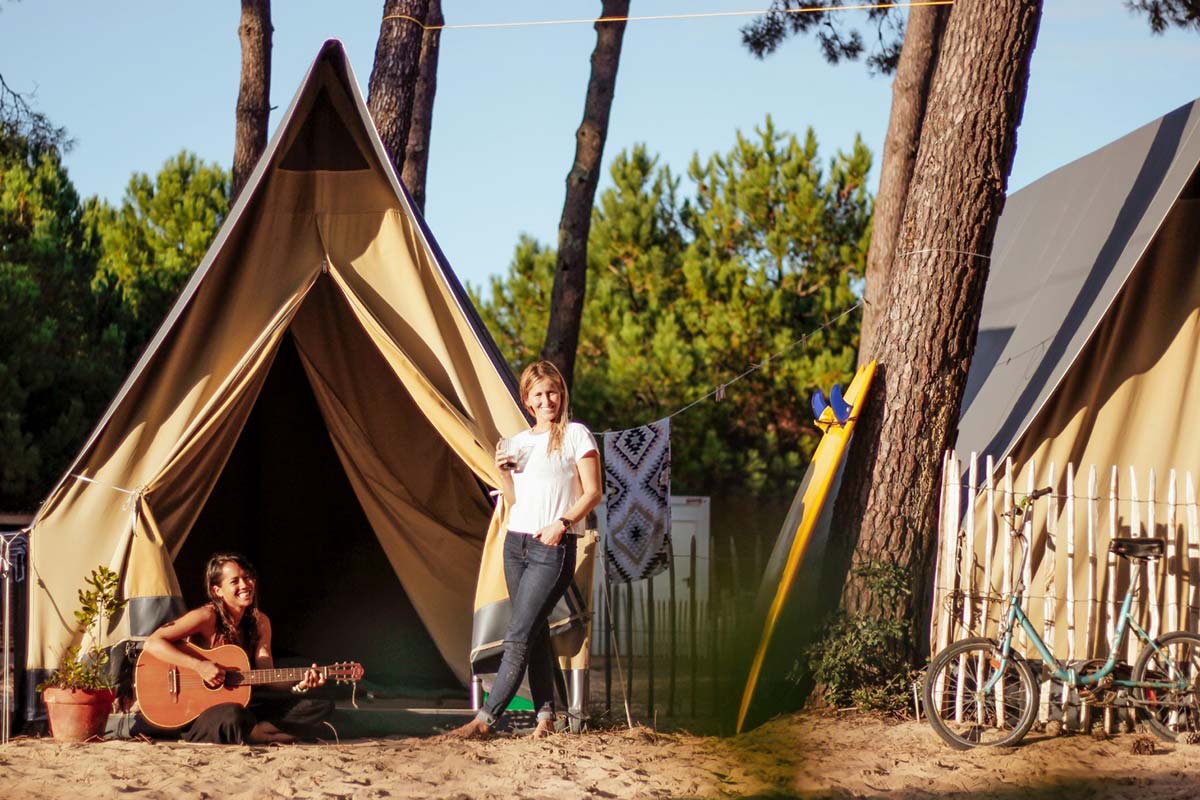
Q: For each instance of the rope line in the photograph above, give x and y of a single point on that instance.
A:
(925, 250)
(661, 17)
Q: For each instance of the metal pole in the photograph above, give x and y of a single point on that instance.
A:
(6, 686)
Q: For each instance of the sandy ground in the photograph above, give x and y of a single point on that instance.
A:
(805, 755)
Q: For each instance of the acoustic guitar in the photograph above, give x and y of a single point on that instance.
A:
(171, 696)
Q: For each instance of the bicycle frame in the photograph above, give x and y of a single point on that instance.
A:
(1069, 676)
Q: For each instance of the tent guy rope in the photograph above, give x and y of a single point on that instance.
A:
(659, 17)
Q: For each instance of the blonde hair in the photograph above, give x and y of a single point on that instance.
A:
(541, 370)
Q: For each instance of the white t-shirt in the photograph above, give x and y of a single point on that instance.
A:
(549, 484)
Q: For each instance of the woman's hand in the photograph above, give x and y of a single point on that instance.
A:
(505, 460)
(312, 679)
(212, 673)
(551, 534)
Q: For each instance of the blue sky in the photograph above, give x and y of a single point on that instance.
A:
(136, 81)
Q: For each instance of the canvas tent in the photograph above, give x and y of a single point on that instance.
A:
(1088, 338)
(1089, 341)
(323, 397)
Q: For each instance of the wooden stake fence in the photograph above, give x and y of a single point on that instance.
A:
(1070, 600)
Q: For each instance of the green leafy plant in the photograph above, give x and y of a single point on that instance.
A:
(857, 660)
(88, 670)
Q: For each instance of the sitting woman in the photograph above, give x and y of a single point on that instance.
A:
(231, 617)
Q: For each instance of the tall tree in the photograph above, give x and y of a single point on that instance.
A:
(1163, 14)
(570, 274)
(24, 131)
(254, 91)
(155, 240)
(913, 58)
(56, 365)
(887, 507)
(687, 287)
(793, 17)
(910, 95)
(416, 158)
(393, 84)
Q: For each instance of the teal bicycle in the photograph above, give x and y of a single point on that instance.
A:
(981, 691)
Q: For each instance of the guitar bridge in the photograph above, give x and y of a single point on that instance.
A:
(173, 684)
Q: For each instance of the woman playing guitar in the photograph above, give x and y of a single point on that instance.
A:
(231, 617)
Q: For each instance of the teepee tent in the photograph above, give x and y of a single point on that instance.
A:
(1087, 348)
(322, 397)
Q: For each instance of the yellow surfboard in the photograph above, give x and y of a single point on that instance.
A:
(807, 522)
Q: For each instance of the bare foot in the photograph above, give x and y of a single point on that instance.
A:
(472, 730)
(266, 733)
(545, 727)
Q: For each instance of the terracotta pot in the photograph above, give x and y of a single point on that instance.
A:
(77, 715)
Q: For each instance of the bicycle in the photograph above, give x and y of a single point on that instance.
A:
(980, 692)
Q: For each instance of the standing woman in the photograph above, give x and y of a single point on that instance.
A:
(551, 480)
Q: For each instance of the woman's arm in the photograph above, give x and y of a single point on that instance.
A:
(161, 644)
(588, 469)
(262, 654)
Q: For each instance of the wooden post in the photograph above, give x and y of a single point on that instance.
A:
(650, 671)
(1027, 568)
(989, 555)
(1135, 530)
(1152, 567)
(945, 568)
(693, 619)
(629, 639)
(1171, 571)
(1085, 713)
(1111, 610)
(1049, 609)
(609, 634)
(989, 547)
(672, 621)
(937, 635)
(1191, 606)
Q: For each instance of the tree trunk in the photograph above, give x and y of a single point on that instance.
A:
(254, 92)
(910, 96)
(393, 83)
(886, 510)
(570, 275)
(416, 156)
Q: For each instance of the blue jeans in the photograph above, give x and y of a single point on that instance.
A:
(537, 575)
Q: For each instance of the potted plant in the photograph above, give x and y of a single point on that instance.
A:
(79, 694)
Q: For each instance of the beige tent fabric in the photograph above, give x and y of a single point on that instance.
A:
(1131, 399)
(322, 245)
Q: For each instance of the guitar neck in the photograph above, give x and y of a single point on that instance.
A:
(257, 677)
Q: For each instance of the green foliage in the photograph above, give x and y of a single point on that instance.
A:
(858, 658)
(97, 606)
(83, 287)
(685, 294)
(54, 370)
(153, 243)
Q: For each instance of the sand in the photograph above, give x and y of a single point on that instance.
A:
(824, 755)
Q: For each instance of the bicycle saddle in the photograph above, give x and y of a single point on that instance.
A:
(1138, 548)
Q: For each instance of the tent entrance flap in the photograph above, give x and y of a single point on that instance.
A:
(284, 501)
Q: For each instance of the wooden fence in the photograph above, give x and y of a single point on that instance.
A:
(1074, 586)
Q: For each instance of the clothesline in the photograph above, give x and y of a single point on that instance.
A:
(661, 17)
(719, 390)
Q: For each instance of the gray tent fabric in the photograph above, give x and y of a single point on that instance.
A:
(1065, 246)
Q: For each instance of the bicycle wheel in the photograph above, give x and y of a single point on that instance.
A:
(1175, 713)
(961, 713)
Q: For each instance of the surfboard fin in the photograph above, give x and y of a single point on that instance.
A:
(841, 411)
(819, 404)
